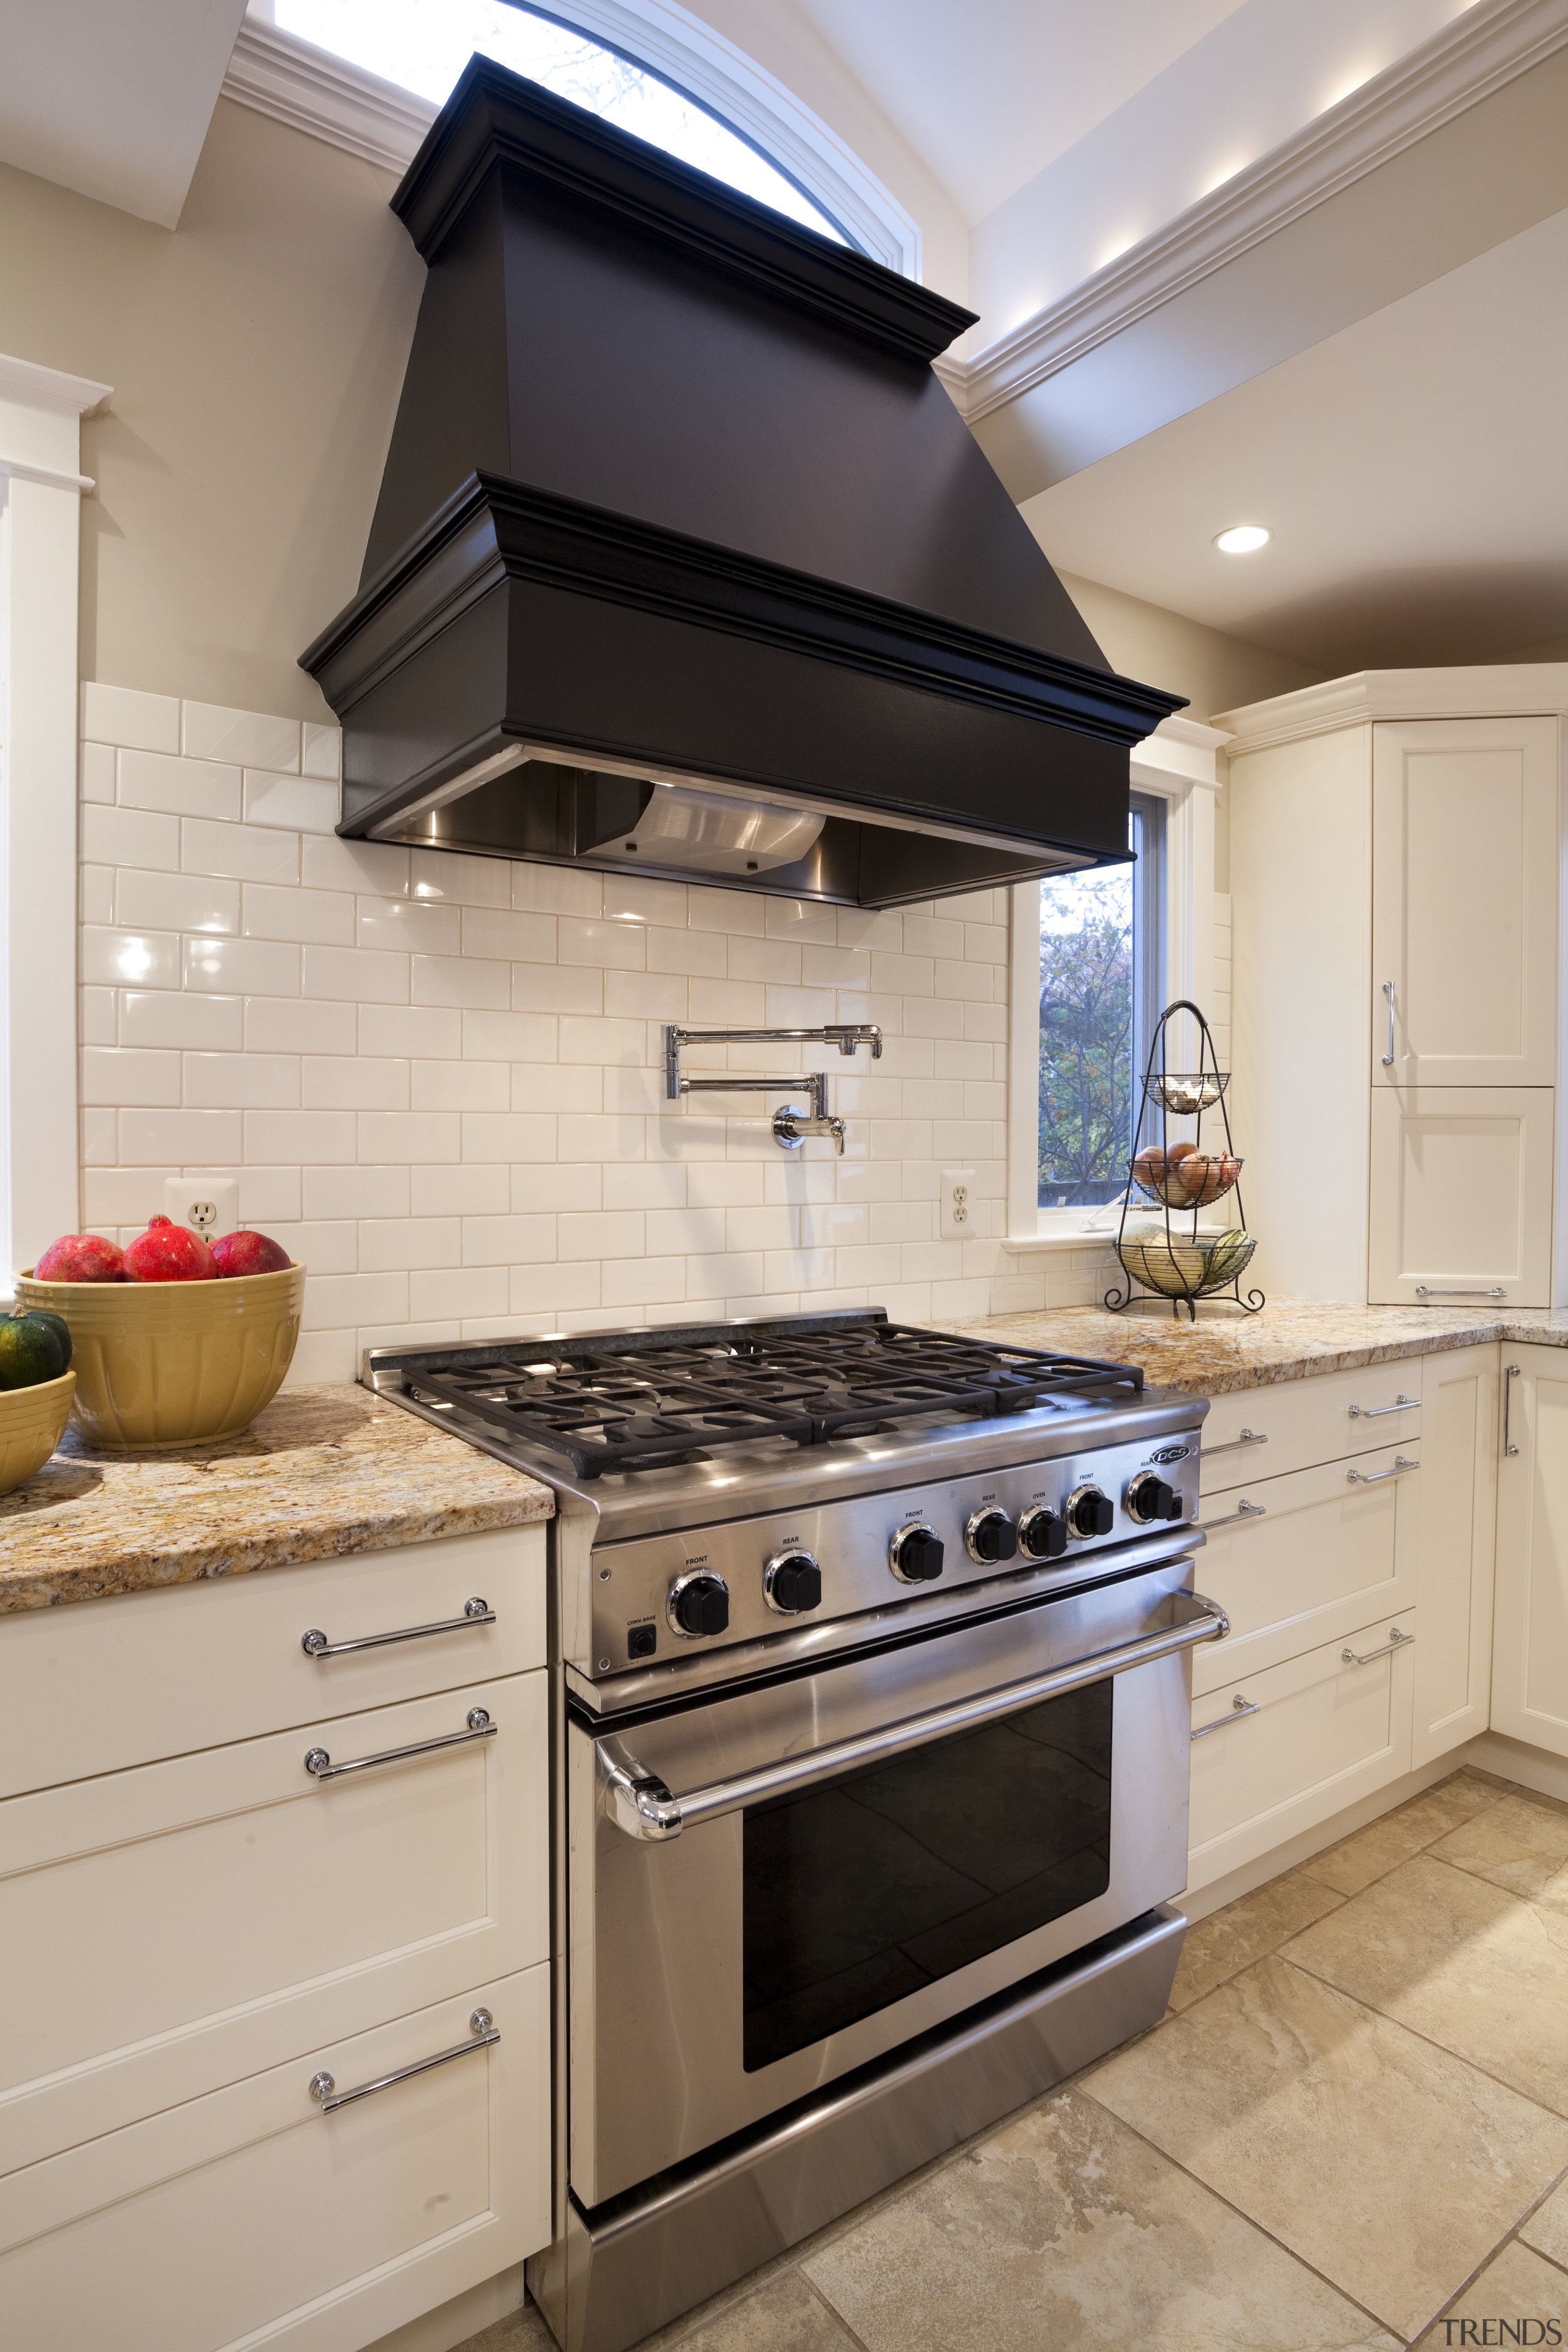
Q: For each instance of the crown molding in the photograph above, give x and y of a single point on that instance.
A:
(1496, 690)
(278, 74)
(1488, 45)
(44, 387)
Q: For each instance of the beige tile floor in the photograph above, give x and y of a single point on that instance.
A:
(1349, 2129)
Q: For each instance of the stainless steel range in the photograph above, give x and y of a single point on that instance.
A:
(873, 1731)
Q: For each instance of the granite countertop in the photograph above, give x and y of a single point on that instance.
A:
(324, 1470)
(1290, 1339)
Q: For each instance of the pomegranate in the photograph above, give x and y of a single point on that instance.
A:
(247, 1253)
(81, 1257)
(169, 1252)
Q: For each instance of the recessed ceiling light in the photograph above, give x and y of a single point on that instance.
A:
(1242, 540)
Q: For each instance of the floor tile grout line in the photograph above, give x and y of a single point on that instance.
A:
(832, 2309)
(1252, 2223)
(1509, 2238)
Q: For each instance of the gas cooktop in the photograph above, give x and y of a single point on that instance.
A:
(646, 1401)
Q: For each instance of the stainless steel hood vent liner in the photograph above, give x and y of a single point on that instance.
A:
(684, 562)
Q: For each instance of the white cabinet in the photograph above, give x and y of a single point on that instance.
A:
(1461, 1196)
(1399, 830)
(1464, 910)
(1455, 1535)
(193, 1926)
(1530, 1658)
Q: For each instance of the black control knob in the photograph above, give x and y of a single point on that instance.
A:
(915, 1555)
(989, 1536)
(1091, 1513)
(1149, 1499)
(792, 1583)
(1043, 1533)
(699, 1606)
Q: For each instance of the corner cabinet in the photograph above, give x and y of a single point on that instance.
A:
(1395, 851)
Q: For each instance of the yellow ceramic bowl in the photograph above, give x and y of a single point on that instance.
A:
(32, 1423)
(160, 1364)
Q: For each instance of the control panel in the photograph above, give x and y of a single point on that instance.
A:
(666, 1597)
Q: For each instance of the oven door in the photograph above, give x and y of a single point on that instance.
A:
(773, 1887)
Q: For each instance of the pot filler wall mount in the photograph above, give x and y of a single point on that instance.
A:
(683, 561)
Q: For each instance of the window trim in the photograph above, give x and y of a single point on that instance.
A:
(1178, 764)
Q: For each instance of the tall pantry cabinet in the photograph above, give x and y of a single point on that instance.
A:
(1395, 849)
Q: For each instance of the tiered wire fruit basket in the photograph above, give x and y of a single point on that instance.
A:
(1173, 1172)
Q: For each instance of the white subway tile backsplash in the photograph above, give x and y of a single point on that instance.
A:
(119, 714)
(130, 836)
(246, 853)
(298, 803)
(440, 1076)
(292, 1024)
(151, 780)
(158, 1016)
(175, 902)
(243, 967)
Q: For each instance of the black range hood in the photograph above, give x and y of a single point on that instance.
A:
(685, 563)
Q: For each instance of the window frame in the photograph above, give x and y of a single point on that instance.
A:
(1178, 765)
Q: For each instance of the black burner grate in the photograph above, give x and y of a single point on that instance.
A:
(641, 1400)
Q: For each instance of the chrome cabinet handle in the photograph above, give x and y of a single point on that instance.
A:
(475, 1612)
(1376, 1477)
(638, 1801)
(327, 2095)
(1376, 1412)
(320, 1766)
(1238, 1707)
(1244, 1510)
(1510, 1374)
(1235, 1444)
(1422, 1291)
(1396, 1641)
(1388, 1058)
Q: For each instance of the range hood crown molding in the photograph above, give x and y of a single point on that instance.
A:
(496, 117)
(673, 490)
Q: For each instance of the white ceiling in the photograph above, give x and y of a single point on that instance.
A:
(113, 97)
(1413, 468)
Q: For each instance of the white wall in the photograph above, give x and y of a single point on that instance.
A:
(438, 1077)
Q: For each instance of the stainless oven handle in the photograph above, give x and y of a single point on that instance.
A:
(638, 1801)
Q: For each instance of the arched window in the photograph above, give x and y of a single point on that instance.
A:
(647, 67)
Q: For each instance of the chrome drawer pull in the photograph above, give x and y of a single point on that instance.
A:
(1376, 1477)
(1388, 1058)
(1422, 1292)
(320, 1766)
(1396, 1641)
(1510, 1374)
(1234, 1444)
(475, 1612)
(327, 2095)
(639, 1802)
(1238, 1707)
(1244, 1510)
(1376, 1412)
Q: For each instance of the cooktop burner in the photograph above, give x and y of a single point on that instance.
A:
(637, 1402)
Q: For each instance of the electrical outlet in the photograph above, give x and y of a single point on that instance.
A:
(957, 1219)
(208, 1205)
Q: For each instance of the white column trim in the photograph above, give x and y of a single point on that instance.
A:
(40, 509)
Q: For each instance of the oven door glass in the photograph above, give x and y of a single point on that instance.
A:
(864, 1889)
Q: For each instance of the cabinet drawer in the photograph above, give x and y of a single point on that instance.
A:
(1294, 1423)
(1317, 1733)
(99, 1685)
(252, 2211)
(170, 1929)
(1322, 1556)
